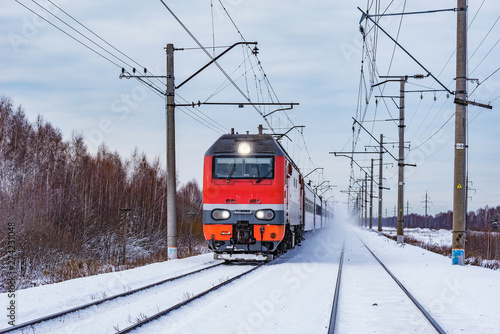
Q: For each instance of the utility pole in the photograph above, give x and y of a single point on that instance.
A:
(360, 204)
(395, 216)
(459, 184)
(400, 235)
(407, 208)
(358, 209)
(380, 152)
(426, 203)
(124, 234)
(171, 177)
(371, 196)
(170, 144)
(362, 199)
(461, 102)
(380, 186)
(366, 199)
(425, 217)
(401, 159)
(170, 122)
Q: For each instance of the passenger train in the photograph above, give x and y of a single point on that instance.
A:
(256, 203)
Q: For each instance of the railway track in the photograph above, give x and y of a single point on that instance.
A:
(333, 317)
(335, 307)
(77, 309)
(134, 309)
(185, 302)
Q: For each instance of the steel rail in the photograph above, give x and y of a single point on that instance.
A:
(81, 307)
(187, 301)
(333, 318)
(417, 304)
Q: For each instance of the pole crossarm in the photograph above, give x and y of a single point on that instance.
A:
(127, 75)
(240, 104)
(342, 153)
(413, 13)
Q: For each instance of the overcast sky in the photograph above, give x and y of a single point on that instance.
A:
(310, 51)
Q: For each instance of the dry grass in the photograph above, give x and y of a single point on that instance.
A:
(481, 248)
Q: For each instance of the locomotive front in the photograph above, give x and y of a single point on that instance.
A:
(243, 196)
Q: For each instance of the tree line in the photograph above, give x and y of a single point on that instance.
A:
(65, 202)
(484, 219)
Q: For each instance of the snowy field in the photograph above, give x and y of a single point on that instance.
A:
(439, 237)
(482, 245)
(292, 294)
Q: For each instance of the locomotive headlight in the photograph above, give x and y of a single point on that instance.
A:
(244, 148)
(221, 214)
(267, 214)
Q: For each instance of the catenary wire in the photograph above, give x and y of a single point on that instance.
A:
(72, 37)
(100, 38)
(216, 128)
(266, 79)
(87, 38)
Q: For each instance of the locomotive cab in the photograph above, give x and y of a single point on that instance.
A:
(243, 196)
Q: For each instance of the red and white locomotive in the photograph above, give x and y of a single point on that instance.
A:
(255, 201)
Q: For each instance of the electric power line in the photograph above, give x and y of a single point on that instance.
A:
(208, 122)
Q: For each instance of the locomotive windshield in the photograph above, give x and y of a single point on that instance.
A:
(243, 168)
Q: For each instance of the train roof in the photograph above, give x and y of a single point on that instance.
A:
(260, 144)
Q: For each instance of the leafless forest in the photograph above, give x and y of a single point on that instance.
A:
(62, 205)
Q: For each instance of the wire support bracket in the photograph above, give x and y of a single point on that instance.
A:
(239, 104)
(420, 12)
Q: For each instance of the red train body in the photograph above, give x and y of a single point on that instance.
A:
(255, 202)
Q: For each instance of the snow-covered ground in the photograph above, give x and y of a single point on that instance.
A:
(439, 237)
(294, 294)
